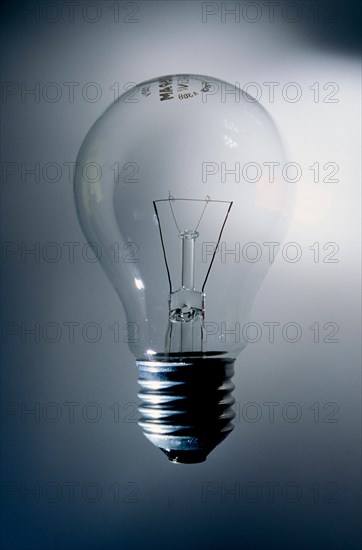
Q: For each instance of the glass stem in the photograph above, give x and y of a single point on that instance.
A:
(188, 262)
(187, 281)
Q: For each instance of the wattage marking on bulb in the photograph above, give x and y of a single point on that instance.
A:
(166, 89)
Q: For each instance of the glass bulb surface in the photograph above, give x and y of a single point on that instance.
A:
(174, 182)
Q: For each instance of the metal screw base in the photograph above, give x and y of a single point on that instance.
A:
(186, 406)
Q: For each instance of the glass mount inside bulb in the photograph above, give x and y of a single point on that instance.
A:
(187, 297)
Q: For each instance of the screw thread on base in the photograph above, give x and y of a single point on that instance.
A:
(186, 407)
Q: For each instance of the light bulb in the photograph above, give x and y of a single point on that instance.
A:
(179, 185)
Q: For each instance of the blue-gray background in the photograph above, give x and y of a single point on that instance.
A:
(89, 479)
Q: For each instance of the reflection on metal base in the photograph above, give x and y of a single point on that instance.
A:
(186, 406)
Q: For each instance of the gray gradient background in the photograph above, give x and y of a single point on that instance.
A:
(169, 509)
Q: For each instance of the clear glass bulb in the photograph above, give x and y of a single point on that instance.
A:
(179, 184)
